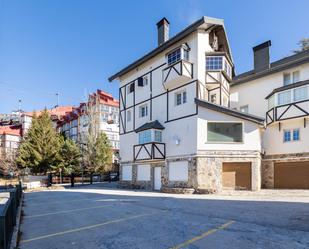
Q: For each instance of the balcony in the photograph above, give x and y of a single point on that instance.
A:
(177, 74)
(149, 151)
(288, 102)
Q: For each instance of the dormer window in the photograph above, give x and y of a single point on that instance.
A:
(181, 53)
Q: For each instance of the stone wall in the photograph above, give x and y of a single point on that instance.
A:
(209, 165)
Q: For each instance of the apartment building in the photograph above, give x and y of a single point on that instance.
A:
(102, 111)
(10, 136)
(176, 128)
(279, 92)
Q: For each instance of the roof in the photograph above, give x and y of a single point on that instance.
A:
(228, 111)
(208, 22)
(106, 98)
(287, 87)
(277, 66)
(59, 111)
(151, 125)
(10, 130)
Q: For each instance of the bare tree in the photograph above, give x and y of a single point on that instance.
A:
(303, 45)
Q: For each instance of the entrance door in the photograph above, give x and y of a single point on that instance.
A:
(292, 175)
(157, 178)
(236, 175)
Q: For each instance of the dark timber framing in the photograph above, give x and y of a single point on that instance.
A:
(124, 108)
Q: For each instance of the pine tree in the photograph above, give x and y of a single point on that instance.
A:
(303, 45)
(41, 146)
(70, 157)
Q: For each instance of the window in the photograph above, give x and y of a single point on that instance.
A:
(174, 56)
(287, 136)
(296, 135)
(142, 81)
(214, 62)
(143, 111)
(291, 135)
(130, 88)
(286, 79)
(180, 98)
(157, 136)
(301, 93)
(271, 102)
(244, 109)
(144, 137)
(284, 98)
(129, 116)
(295, 76)
(289, 78)
(224, 132)
(186, 55)
(213, 98)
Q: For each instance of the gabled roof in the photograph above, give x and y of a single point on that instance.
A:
(204, 22)
(287, 87)
(228, 111)
(277, 66)
(151, 125)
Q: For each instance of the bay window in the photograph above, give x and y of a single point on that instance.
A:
(284, 97)
(217, 63)
(181, 53)
(148, 136)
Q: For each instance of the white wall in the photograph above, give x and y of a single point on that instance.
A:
(253, 93)
(251, 136)
(273, 138)
(126, 172)
(143, 172)
(178, 171)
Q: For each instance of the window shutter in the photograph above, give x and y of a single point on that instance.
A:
(140, 81)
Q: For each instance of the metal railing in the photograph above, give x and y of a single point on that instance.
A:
(8, 213)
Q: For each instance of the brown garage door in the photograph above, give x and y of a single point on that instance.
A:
(236, 176)
(292, 175)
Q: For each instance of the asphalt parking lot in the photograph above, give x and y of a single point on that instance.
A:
(99, 217)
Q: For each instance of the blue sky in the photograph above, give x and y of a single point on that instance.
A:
(73, 46)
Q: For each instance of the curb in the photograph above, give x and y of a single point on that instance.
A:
(14, 240)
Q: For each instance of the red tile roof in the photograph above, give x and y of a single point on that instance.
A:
(10, 130)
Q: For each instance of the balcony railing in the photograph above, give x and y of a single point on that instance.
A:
(177, 73)
(149, 151)
(288, 111)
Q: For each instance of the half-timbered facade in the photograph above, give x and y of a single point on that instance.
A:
(176, 127)
(279, 91)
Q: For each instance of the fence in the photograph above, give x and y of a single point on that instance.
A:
(8, 211)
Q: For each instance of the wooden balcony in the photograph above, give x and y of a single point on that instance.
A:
(177, 74)
(149, 151)
(288, 111)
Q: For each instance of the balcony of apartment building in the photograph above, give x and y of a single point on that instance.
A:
(288, 102)
(150, 145)
(179, 69)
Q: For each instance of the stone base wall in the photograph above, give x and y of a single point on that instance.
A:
(268, 162)
(136, 184)
(209, 168)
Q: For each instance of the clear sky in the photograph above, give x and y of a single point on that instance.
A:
(73, 46)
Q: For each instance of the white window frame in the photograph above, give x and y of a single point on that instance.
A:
(183, 97)
(291, 131)
(145, 113)
(220, 142)
(129, 116)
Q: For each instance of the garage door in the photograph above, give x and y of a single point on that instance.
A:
(236, 176)
(292, 175)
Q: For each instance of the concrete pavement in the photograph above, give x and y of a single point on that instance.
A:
(99, 217)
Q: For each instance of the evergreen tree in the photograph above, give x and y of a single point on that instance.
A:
(41, 146)
(70, 157)
(303, 45)
(98, 153)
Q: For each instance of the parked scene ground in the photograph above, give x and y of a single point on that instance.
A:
(102, 216)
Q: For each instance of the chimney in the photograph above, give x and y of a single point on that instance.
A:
(163, 30)
(261, 56)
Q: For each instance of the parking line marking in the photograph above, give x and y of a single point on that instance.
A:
(64, 211)
(203, 235)
(85, 228)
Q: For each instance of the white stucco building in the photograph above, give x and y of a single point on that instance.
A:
(176, 128)
(278, 91)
